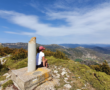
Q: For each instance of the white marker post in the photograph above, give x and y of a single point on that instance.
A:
(32, 54)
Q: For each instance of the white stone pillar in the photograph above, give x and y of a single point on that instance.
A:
(32, 54)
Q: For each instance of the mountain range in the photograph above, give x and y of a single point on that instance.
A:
(85, 45)
(96, 53)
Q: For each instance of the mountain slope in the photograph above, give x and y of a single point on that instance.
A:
(85, 45)
(71, 75)
(94, 54)
(102, 50)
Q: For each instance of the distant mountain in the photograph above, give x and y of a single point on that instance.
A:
(85, 45)
(52, 47)
(105, 50)
(93, 53)
(102, 48)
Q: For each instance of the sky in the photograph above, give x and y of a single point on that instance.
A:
(55, 21)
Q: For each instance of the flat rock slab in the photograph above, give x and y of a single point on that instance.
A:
(48, 85)
(29, 80)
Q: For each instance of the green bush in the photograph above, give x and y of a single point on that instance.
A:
(19, 54)
(5, 50)
(16, 64)
(8, 83)
(2, 53)
(2, 78)
(103, 68)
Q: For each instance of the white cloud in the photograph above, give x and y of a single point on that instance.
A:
(92, 21)
(11, 32)
(81, 22)
(21, 33)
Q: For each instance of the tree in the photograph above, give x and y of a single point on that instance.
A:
(103, 68)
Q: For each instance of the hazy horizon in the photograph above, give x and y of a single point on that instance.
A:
(66, 43)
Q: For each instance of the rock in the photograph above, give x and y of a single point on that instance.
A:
(65, 79)
(67, 86)
(7, 75)
(79, 77)
(63, 73)
(67, 75)
(58, 68)
(72, 81)
(85, 85)
(55, 71)
(9, 88)
(58, 76)
(49, 85)
(55, 66)
(63, 69)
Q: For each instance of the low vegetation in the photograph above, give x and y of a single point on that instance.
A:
(99, 80)
(2, 78)
(5, 50)
(19, 54)
(102, 67)
(8, 83)
(16, 64)
(3, 69)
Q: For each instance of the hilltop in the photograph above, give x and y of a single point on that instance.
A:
(70, 75)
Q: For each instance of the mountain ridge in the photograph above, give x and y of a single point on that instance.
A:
(92, 54)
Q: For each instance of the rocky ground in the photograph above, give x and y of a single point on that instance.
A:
(63, 79)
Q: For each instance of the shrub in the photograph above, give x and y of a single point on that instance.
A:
(2, 78)
(103, 68)
(5, 50)
(2, 53)
(19, 54)
(16, 64)
(59, 54)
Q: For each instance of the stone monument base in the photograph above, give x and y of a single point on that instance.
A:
(29, 80)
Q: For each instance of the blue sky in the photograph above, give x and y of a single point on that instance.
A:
(55, 21)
